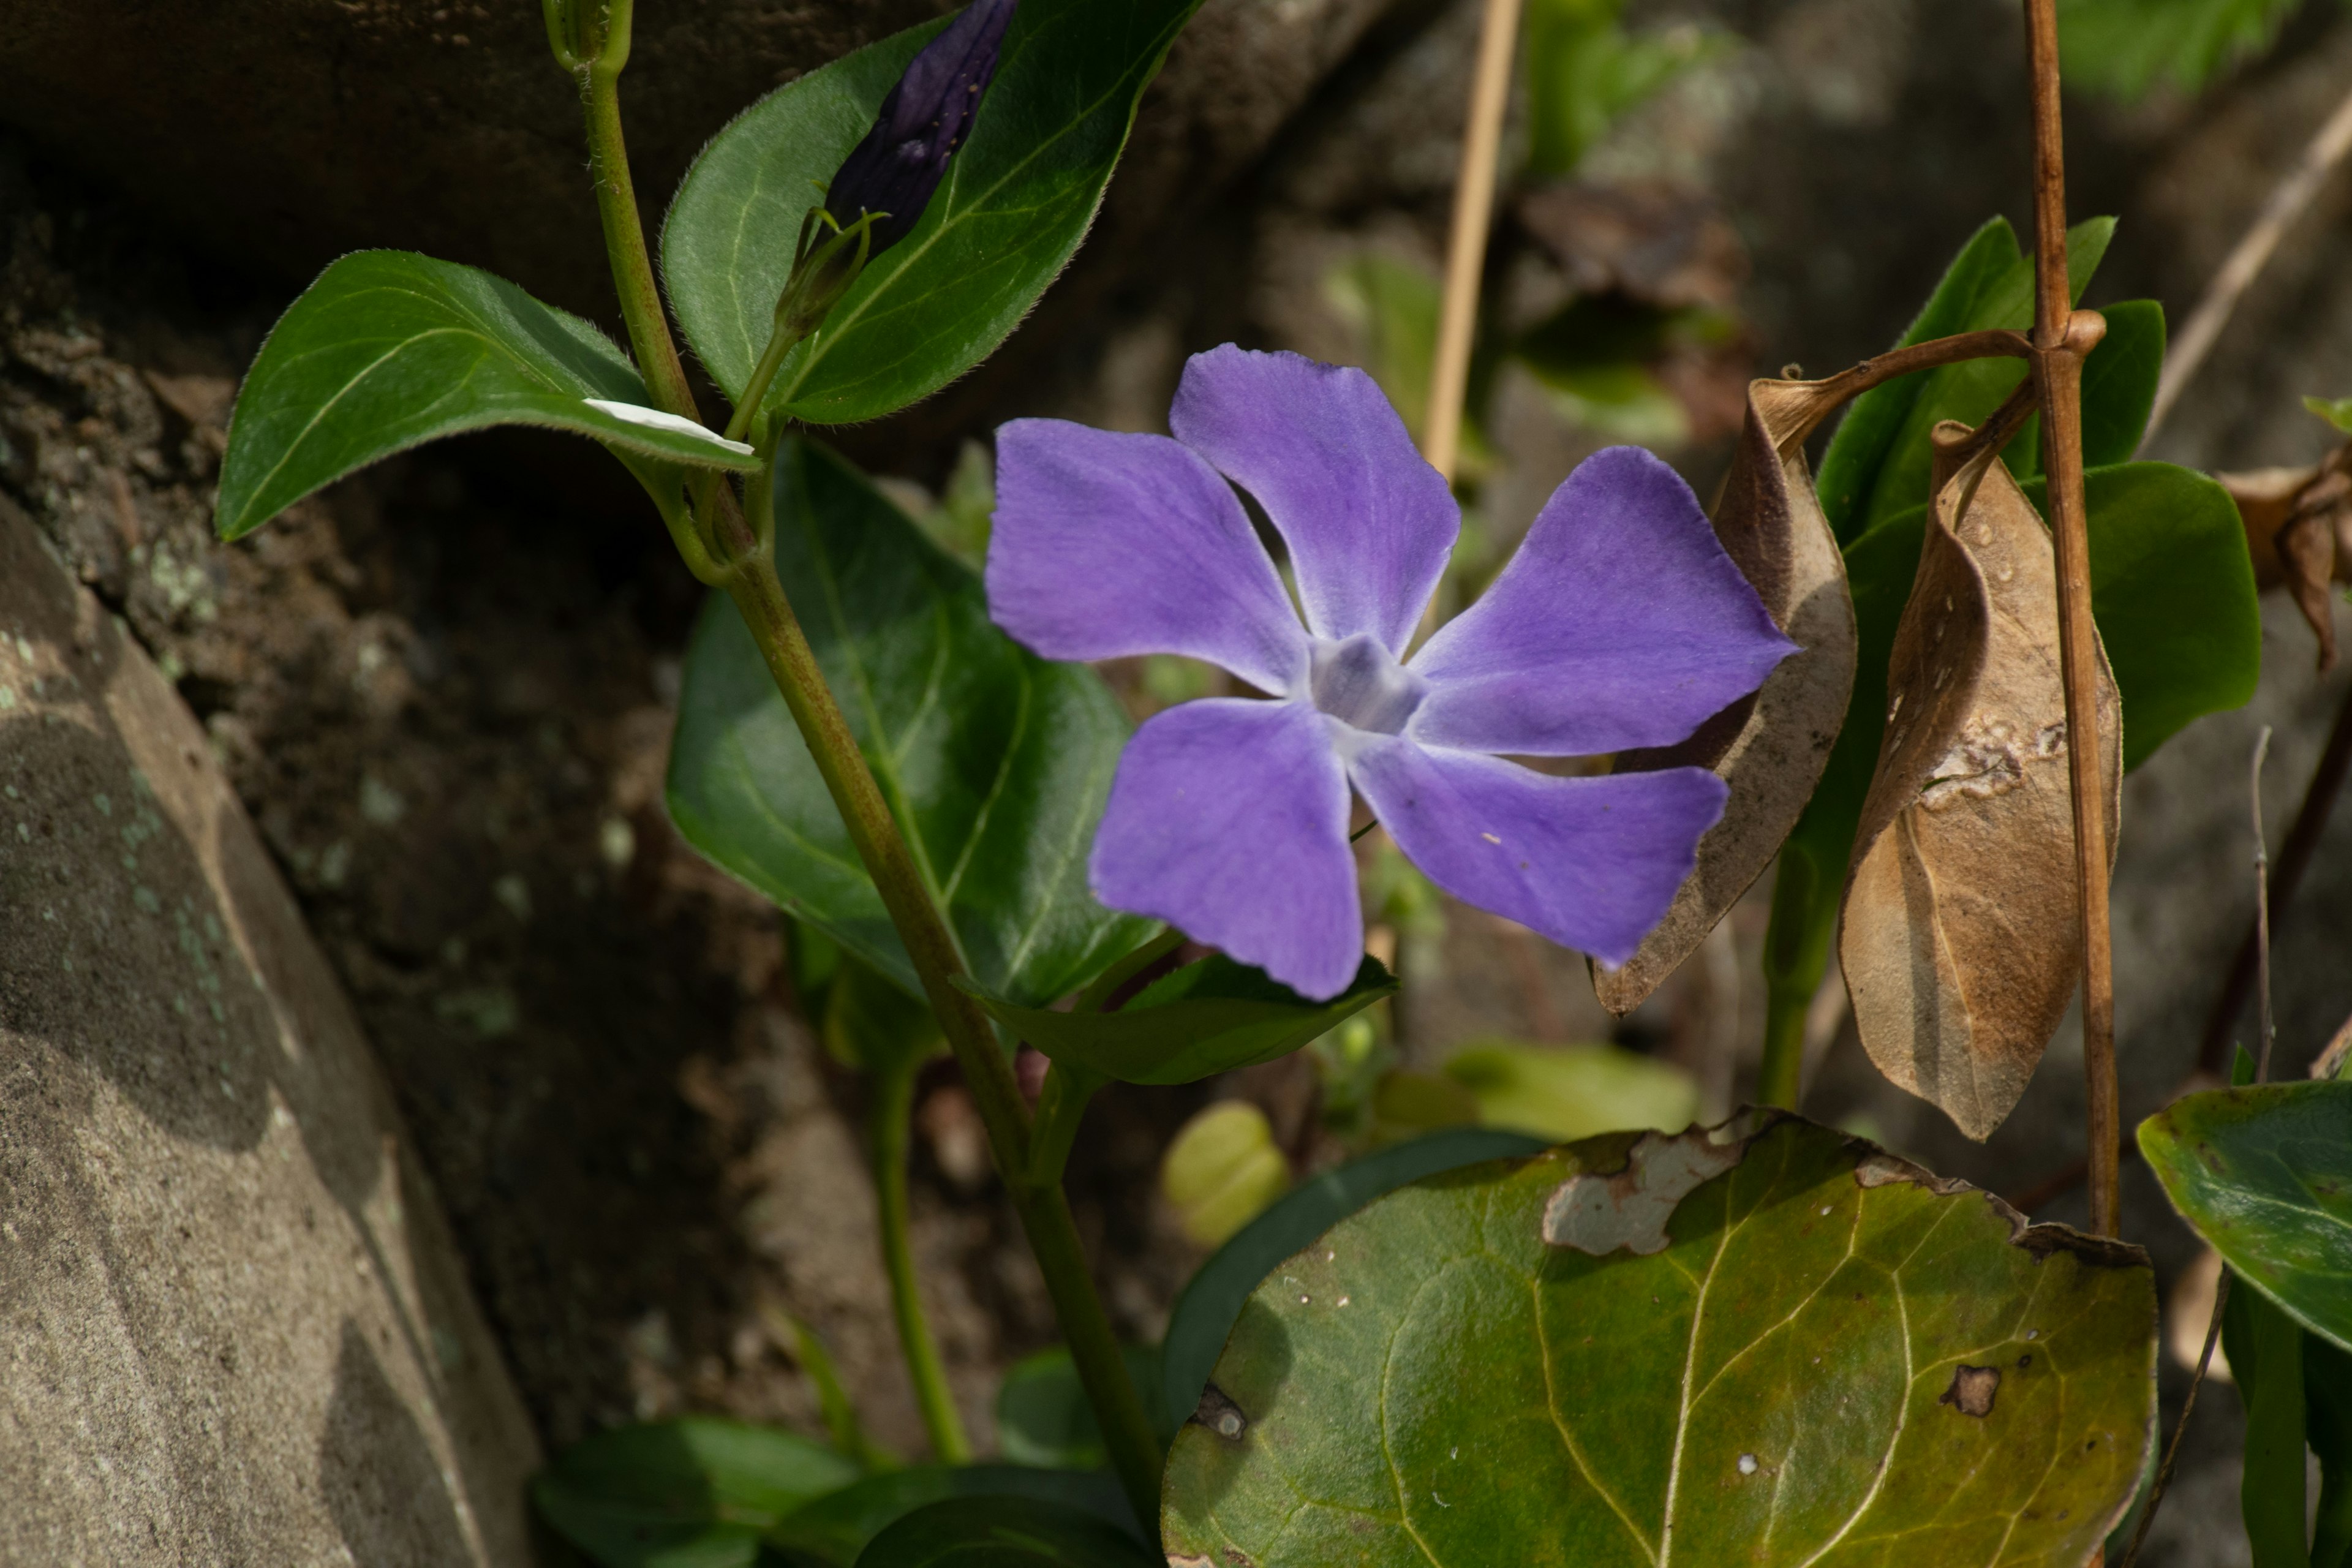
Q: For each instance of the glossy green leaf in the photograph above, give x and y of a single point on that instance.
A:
(995, 760)
(1042, 1413)
(1004, 1532)
(1789, 1348)
(2126, 47)
(835, 1528)
(2266, 1176)
(1876, 464)
(1858, 449)
(1205, 1018)
(1562, 1094)
(2265, 1350)
(389, 349)
(1014, 205)
(1213, 1299)
(692, 1493)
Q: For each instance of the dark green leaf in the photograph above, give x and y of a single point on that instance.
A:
(834, 1529)
(693, 1493)
(388, 349)
(995, 760)
(2265, 1351)
(1787, 1348)
(1004, 1532)
(1859, 448)
(1210, 1301)
(1042, 1416)
(1971, 390)
(2123, 47)
(1207, 1018)
(1012, 210)
(2265, 1174)
(2120, 384)
(1564, 1092)
(872, 1024)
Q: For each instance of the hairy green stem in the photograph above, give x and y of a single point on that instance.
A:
(892, 1115)
(1043, 1208)
(599, 75)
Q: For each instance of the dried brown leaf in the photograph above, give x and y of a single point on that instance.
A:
(1961, 940)
(1770, 747)
(2299, 535)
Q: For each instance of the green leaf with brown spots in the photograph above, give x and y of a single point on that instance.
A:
(1786, 1348)
(2265, 1174)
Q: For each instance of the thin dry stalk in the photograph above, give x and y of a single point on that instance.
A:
(2261, 905)
(2060, 341)
(1465, 255)
(2245, 263)
(2295, 859)
(2187, 1408)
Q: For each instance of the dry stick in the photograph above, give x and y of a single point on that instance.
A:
(2294, 858)
(2261, 1072)
(2059, 346)
(1465, 253)
(2287, 200)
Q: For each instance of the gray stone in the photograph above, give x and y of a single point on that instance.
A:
(234, 1327)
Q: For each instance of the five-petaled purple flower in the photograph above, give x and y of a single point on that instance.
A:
(1620, 624)
(923, 121)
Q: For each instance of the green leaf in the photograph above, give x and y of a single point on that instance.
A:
(2337, 411)
(2265, 1351)
(692, 1493)
(1213, 1299)
(1787, 1348)
(1042, 1416)
(834, 1529)
(1971, 390)
(1863, 437)
(995, 760)
(1222, 1169)
(1562, 1094)
(1208, 1017)
(1014, 205)
(2125, 47)
(2120, 384)
(1585, 71)
(389, 349)
(2265, 1174)
(1004, 1532)
(872, 1024)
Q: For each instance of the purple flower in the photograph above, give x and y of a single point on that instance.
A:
(924, 120)
(1620, 624)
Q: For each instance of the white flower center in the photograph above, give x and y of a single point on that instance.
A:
(1359, 683)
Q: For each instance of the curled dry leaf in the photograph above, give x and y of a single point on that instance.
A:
(2299, 535)
(1770, 747)
(1961, 938)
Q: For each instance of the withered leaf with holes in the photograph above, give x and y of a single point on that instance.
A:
(1770, 746)
(2299, 535)
(1961, 940)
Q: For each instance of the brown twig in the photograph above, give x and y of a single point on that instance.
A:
(1465, 253)
(2059, 346)
(2294, 858)
(2287, 200)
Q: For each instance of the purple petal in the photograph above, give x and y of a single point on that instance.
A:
(1590, 863)
(1369, 523)
(1107, 544)
(1620, 623)
(1229, 820)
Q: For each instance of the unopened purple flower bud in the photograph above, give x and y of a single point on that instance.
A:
(924, 120)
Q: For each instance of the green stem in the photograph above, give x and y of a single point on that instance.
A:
(893, 1114)
(624, 234)
(1780, 1080)
(1044, 1209)
(1796, 956)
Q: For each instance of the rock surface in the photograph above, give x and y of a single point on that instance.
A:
(234, 1324)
